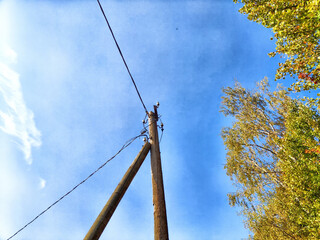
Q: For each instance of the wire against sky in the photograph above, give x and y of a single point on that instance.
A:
(124, 61)
(127, 143)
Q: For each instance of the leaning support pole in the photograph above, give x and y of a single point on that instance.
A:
(106, 213)
(159, 204)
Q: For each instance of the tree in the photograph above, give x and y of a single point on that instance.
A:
(273, 159)
(296, 27)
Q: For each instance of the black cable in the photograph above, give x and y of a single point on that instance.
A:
(124, 61)
(83, 181)
(161, 134)
(161, 128)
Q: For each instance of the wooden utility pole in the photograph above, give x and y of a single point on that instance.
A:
(160, 214)
(106, 213)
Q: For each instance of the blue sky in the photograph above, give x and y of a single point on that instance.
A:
(67, 104)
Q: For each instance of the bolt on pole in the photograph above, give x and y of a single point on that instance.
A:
(108, 210)
(160, 214)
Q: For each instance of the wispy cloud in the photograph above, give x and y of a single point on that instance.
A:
(42, 183)
(15, 118)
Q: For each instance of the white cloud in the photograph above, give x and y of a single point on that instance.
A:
(9, 54)
(13, 188)
(42, 183)
(15, 118)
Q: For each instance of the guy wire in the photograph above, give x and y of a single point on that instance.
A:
(127, 143)
(124, 61)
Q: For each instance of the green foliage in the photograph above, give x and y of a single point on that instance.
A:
(296, 27)
(273, 158)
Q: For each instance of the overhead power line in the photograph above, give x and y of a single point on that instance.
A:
(127, 143)
(124, 61)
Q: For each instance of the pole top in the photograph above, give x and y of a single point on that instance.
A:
(155, 107)
(155, 113)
